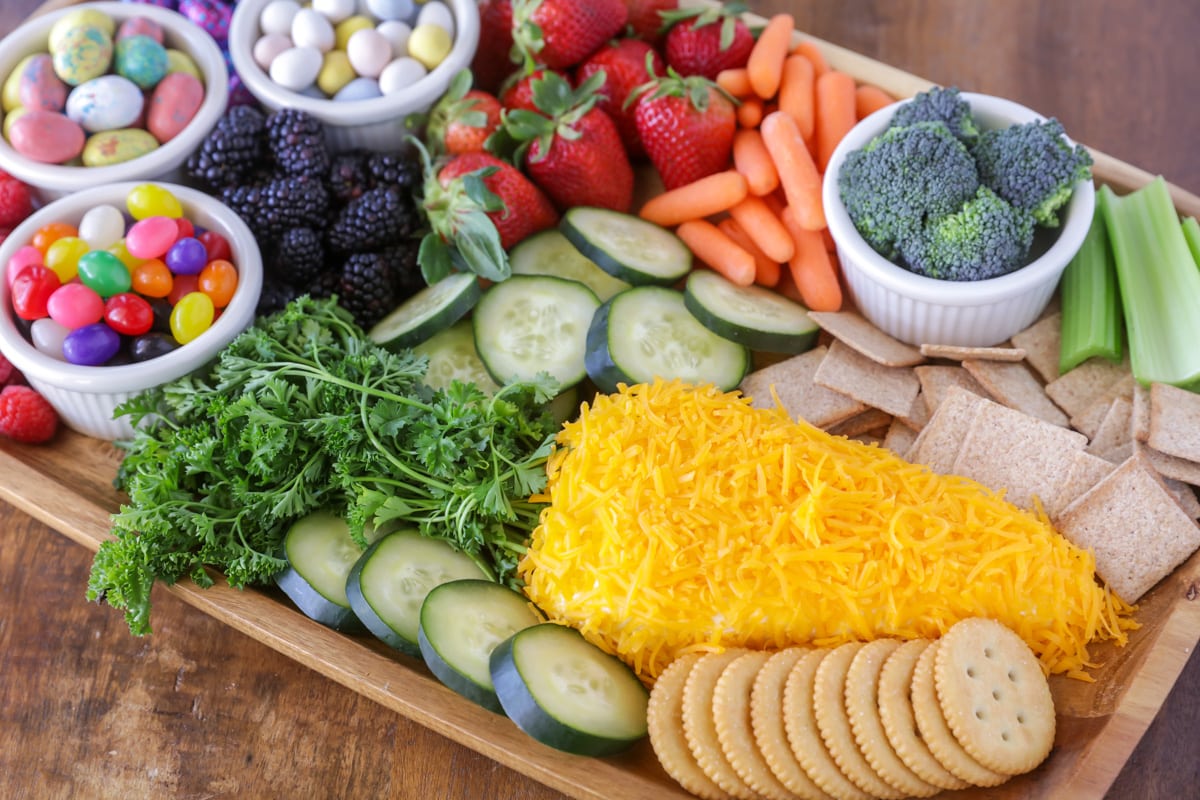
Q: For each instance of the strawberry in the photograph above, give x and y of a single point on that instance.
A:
(572, 149)
(644, 19)
(562, 33)
(624, 64)
(463, 119)
(686, 125)
(478, 207)
(26, 416)
(705, 40)
(16, 201)
(517, 91)
(493, 62)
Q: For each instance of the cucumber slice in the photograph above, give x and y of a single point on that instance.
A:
(754, 316)
(430, 310)
(452, 357)
(551, 253)
(647, 332)
(461, 624)
(388, 583)
(627, 247)
(320, 554)
(534, 323)
(567, 693)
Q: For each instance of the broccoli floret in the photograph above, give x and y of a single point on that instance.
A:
(903, 177)
(987, 238)
(1032, 166)
(940, 105)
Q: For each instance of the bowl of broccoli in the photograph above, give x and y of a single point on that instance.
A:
(955, 214)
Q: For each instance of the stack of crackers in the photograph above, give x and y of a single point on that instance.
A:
(1112, 463)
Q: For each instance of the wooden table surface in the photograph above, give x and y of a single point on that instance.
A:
(198, 710)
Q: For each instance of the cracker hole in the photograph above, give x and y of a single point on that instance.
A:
(1004, 736)
(1012, 675)
(1020, 718)
(970, 672)
(987, 652)
(995, 694)
(979, 714)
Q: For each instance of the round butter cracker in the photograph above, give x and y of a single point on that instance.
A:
(699, 726)
(767, 723)
(664, 719)
(731, 716)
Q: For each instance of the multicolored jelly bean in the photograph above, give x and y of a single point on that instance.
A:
(191, 316)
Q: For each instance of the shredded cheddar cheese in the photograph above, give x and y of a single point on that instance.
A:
(680, 518)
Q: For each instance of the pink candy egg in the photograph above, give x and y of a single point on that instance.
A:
(47, 137)
(151, 237)
(140, 26)
(173, 104)
(74, 305)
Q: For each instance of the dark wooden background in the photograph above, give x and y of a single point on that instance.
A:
(201, 711)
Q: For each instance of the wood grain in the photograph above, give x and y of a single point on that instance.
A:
(202, 710)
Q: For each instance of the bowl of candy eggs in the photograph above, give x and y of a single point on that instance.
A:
(100, 93)
(116, 289)
(359, 67)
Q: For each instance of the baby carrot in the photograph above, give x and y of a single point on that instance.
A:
(735, 81)
(711, 194)
(751, 159)
(710, 245)
(750, 112)
(868, 99)
(761, 225)
(812, 268)
(835, 99)
(766, 271)
(810, 51)
(797, 172)
(796, 93)
(764, 67)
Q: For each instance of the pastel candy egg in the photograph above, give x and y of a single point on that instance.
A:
(85, 53)
(39, 88)
(401, 74)
(46, 137)
(335, 10)
(117, 146)
(348, 27)
(140, 26)
(102, 226)
(173, 105)
(141, 60)
(105, 103)
(93, 17)
(74, 305)
(267, 47)
(151, 237)
(10, 92)
(9, 119)
(336, 72)
(212, 16)
(359, 89)
(369, 52)
(311, 29)
(179, 61)
(392, 9)
(152, 200)
(296, 68)
(436, 13)
(276, 16)
(91, 345)
(47, 336)
(397, 33)
(430, 44)
(103, 273)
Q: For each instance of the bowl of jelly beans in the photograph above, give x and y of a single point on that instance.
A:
(116, 289)
(359, 66)
(100, 93)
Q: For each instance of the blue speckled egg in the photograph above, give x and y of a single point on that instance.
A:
(105, 103)
(141, 60)
(85, 52)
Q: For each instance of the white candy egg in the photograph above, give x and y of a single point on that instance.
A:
(436, 13)
(276, 16)
(102, 226)
(269, 46)
(336, 10)
(296, 68)
(358, 89)
(369, 52)
(401, 74)
(311, 29)
(397, 33)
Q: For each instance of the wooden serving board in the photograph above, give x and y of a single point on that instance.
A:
(68, 486)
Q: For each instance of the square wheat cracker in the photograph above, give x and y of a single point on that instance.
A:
(1015, 386)
(1086, 471)
(799, 396)
(845, 370)
(1074, 391)
(1181, 469)
(935, 379)
(1174, 421)
(939, 441)
(899, 437)
(1114, 431)
(957, 353)
(1088, 421)
(1141, 412)
(861, 334)
(1041, 342)
(864, 421)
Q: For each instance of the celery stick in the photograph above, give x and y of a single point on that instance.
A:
(1091, 305)
(1159, 283)
(1191, 232)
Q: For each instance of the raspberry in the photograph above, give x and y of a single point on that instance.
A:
(7, 370)
(26, 416)
(16, 202)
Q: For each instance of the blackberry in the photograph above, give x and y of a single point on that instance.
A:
(407, 279)
(299, 256)
(365, 288)
(278, 205)
(399, 168)
(378, 218)
(347, 178)
(297, 142)
(275, 295)
(232, 150)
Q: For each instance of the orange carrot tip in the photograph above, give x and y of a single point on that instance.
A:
(712, 246)
(868, 99)
(750, 112)
(809, 49)
(735, 81)
(764, 67)
(701, 198)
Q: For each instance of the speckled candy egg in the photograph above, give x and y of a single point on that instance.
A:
(10, 92)
(173, 104)
(86, 53)
(139, 26)
(116, 147)
(46, 137)
(179, 61)
(211, 15)
(38, 88)
(141, 60)
(104, 103)
(80, 17)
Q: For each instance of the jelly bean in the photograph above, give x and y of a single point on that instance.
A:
(183, 285)
(46, 137)
(152, 278)
(116, 147)
(47, 336)
(186, 228)
(129, 314)
(63, 256)
(219, 280)
(31, 291)
(74, 305)
(92, 345)
(173, 104)
(151, 237)
(50, 233)
(152, 345)
(102, 271)
(187, 257)
(161, 307)
(191, 316)
(122, 253)
(151, 200)
(24, 257)
(216, 246)
(102, 226)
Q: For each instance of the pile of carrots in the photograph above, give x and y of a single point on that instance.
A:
(765, 211)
